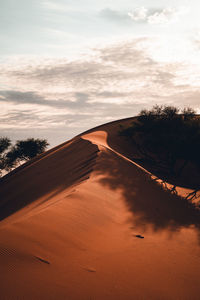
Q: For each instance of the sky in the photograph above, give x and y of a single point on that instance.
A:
(69, 65)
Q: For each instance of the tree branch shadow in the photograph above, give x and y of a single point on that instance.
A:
(150, 203)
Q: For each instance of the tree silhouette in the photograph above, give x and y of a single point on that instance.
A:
(30, 148)
(12, 155)
(5, 143)
(167, 139)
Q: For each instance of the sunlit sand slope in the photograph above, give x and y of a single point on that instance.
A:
(84, 221)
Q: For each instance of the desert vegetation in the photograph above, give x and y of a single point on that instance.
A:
(168, 140)
(12, 155)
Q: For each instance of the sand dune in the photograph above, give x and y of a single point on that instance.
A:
(84, 221)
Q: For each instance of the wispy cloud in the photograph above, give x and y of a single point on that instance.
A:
(136, 55)
(167, 15)
(139, 14)
(33, 98)
(144, 15)
(157, 16)
(115, 82)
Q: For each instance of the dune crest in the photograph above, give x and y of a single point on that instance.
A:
(83, 221)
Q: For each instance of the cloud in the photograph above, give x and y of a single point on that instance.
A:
(157, 16)
(139, 14)
(146, 15)
(117, 81)
(33, 98)
(127, 54)
(166, 15)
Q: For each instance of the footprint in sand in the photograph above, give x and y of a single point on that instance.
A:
(42, 260)
(91, 270)
(139, 236)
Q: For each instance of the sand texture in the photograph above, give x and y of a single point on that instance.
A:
(83, 221)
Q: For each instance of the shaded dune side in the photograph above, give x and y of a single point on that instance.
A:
(52, 173)
(189, 178)
(32, 161)
(149, 203)
(146, 199)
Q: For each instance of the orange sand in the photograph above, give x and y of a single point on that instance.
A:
(69, 222)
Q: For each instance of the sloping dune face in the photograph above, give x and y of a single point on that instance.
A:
(85, 222)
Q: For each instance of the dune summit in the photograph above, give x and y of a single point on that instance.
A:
(84, 221)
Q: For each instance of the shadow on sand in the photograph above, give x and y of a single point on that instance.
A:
(149, 203)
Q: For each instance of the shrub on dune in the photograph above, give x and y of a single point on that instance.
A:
(167, 138)
(12, 155)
